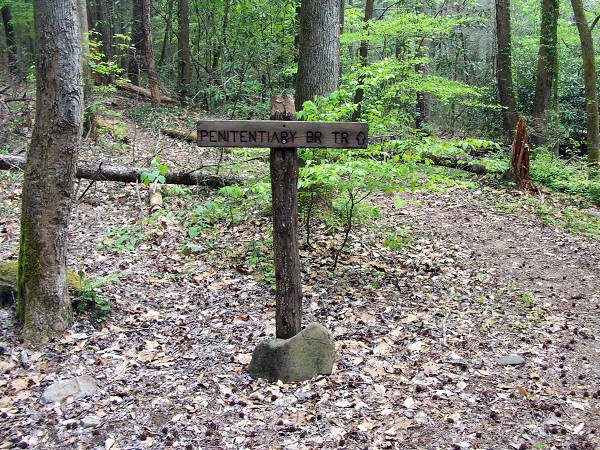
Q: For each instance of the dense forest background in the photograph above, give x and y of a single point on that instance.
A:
(428, 66)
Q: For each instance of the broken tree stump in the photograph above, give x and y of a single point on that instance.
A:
(519, 159)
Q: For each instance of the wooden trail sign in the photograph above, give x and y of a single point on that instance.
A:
(283, 135)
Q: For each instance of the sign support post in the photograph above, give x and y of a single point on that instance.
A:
(283, 135)
(284, 193)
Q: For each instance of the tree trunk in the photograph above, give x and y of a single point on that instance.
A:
(284, 186)
(11, 42)
(364, 54)
(589, 77)
(547, 58)
(107, 172)
(137, 41)
(103, 26)
(184, 50)
(149, 52)
(342, 22)
(506, 92)
(319, 49)
(423, 107)
(168, 31)
(88, 117)
(43, 304)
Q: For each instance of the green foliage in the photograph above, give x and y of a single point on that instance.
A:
(89, 300)
(122, 239)
(107, 68)
(559, 176)
(398, 239)
(229, 206)
(157, 173)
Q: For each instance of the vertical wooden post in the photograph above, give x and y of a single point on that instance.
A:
(284, 188)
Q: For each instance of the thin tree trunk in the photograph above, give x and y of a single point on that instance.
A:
(364, 54)
(589, 77)
(423, 107)
(319, 49)
(43, 304)
(104, 27)
(168, 30)
(342, 22)
(149, 52)
(184, 50)
(11, 42)
(137, 41)
(547, 57)
(85, 65)
(506, 92)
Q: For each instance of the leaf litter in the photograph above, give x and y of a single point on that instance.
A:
(418, 332)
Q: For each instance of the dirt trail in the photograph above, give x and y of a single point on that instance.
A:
(418, 331)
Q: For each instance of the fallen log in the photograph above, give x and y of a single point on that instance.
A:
(144, 92)
(185, 135)
(107, 172)
(458, 162)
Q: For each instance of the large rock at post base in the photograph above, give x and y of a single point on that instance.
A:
(311, 352)
(78, 387)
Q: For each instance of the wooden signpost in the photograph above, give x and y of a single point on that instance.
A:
(284, 135)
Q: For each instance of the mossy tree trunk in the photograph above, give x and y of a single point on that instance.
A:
(589, 78)
(506, 92)
(43, 305)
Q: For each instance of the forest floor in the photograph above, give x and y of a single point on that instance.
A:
(418, 327)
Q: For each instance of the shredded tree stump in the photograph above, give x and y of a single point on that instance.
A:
(519, 159)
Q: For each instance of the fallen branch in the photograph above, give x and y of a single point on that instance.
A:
(106, 172)
(144, 92)
(185, 135)
(459, 162)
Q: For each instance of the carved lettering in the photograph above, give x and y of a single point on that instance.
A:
(256, 133)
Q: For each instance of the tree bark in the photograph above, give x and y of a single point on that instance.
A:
(423, 106)
(88, 116)
(149, 52)
(43, 305)
(506, 92)
(589, 77)
(137, 41)
(364, 54)
(167, 34)
(284, 186)
(519, 157)
(319, 49)
(547, 58)
(107, 172)
(143, 91)
(11, 43)
(183, 43)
